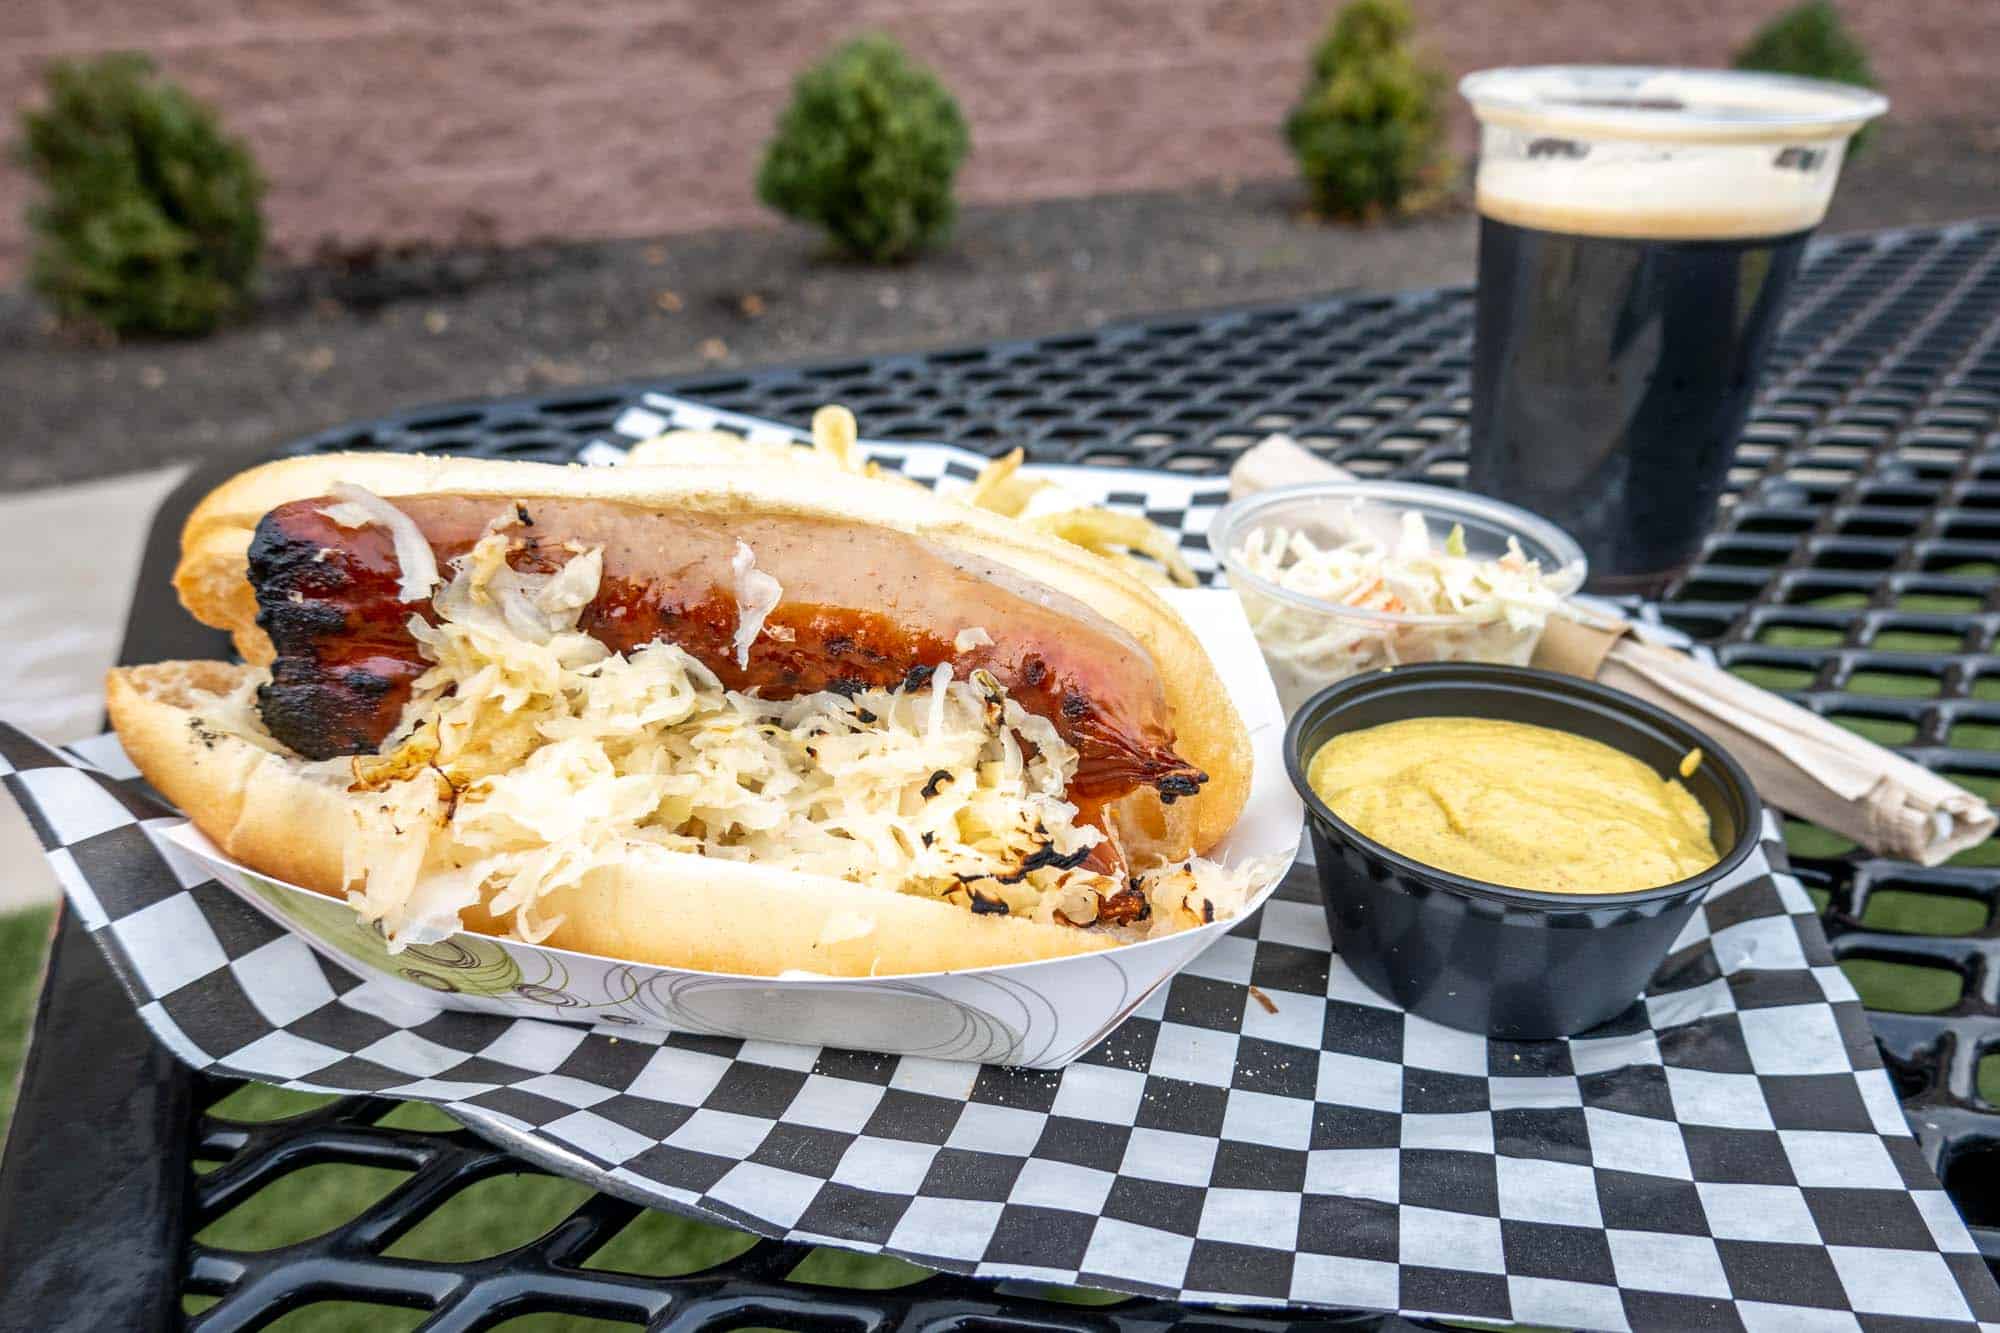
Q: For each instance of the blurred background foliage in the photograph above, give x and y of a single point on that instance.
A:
(867, 151)
(150, 220)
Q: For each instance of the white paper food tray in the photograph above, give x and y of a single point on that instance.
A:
(1043, 1014)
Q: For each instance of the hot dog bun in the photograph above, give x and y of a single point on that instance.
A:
(673, 909)
(213, 586)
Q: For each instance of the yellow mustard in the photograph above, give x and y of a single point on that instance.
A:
(1510, 803)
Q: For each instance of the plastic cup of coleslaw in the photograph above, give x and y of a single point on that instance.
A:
(1340, 578)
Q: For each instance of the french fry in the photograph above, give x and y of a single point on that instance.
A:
(834, 435)
(1121, 537)
(1000, 488)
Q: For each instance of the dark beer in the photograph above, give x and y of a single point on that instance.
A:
(1639, 230)
(1611, 380)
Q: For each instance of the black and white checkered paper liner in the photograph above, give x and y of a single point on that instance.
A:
(1728, 1153)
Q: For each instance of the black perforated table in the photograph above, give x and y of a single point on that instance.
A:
(1857, 570)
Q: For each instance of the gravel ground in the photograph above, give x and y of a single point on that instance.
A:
(330, 343)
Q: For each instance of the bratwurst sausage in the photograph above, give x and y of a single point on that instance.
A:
(862, 606)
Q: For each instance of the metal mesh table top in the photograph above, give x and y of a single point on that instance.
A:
(1856, 569)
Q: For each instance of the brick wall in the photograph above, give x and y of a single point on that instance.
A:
(396, 120)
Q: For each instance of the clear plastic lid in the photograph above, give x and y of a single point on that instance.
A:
(1676, 105)
(1599, 150)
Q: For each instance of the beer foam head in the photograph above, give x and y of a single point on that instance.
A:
(1661, 153)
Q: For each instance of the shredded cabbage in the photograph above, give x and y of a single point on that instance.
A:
(531, 756)
(413, 554)
(756, 593)
(348, 514)
(1483, 609)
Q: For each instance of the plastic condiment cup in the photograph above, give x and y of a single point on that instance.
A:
(1512, 963)
(1302, 635)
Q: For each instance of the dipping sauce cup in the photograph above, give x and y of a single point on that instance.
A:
(1508, 962)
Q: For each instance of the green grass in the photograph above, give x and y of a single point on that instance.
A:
(1813, 842)
(1881, 730)
(1975, 736)
(1972, 569)
(841, 1268)
(1895, 684)
(486, 1219)
(498, 1214)
(1979, 784)
(1773, 677)
(420, 1116)
(1903, 988)
(668, 1245)
(1914, 641)
(1800, 636)
(1986, 687)
(300, 1205)
(1942, 603)
(24, 941)
(1989, 1079)
(1982, 854)
(348, 1317)
(1923, 913)
(1836, 601)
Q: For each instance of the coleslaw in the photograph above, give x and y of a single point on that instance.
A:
(1350, 587)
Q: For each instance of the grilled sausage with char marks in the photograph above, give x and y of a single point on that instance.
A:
(862, 606)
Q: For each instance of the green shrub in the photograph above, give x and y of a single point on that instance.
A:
(1368, 130)
(150, 220)
(1811, 41)
(867, 150)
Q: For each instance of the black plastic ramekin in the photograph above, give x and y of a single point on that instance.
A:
(1484, 957)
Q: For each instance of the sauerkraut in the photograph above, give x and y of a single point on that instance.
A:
(354, 506)
(530, 755)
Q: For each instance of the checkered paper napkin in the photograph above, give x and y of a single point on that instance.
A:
(1728, 1153)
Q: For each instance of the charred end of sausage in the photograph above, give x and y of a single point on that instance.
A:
(323, 712)
(339, 680)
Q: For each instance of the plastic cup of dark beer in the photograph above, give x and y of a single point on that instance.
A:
(1639, 230)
